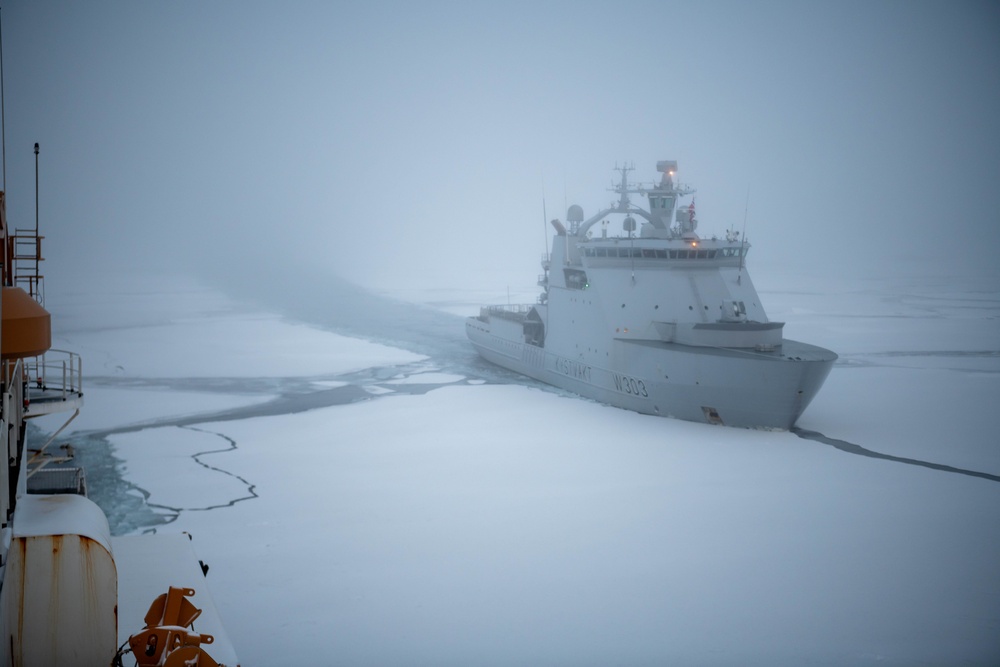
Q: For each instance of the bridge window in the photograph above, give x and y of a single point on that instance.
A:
(576, 279)
(628, 252)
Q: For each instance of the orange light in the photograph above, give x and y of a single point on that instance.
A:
(694, 244)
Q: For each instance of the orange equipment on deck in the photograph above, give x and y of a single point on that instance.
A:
(26, 326)
(165, 641)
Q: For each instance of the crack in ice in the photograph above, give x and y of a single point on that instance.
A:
(173, 513)
(251, 488)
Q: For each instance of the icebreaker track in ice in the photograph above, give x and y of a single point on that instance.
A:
(655, 319)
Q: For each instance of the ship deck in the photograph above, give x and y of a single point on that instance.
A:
(148, 565)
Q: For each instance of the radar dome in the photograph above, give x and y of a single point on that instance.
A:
(574, 213)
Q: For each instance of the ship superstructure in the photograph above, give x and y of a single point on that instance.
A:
(655, 319)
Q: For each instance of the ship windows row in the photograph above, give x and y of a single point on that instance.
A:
(663, 253)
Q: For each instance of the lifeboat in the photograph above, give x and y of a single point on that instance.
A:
(26, 329)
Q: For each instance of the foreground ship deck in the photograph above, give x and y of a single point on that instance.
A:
(662, 322)
(70, 594)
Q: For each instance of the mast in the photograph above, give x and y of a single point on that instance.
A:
(36, 188)
(623, 188)
(3, 120)
(743, 238)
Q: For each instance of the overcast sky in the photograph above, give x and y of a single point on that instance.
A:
(414, 141)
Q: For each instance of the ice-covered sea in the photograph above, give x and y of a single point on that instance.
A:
(367, 503)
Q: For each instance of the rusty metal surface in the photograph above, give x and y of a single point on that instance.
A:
(59, 602)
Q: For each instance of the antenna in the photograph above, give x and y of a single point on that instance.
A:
(3, 122)
(565, 192)
(36, 189)
(743, 237)
(545, 223)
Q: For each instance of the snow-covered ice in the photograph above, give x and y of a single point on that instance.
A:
(484, 523)
(197, 333)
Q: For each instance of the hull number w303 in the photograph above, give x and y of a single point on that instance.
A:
(630, 385)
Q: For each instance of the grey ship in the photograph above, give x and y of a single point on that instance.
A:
(662, 322)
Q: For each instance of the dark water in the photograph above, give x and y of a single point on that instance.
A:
(333, 305)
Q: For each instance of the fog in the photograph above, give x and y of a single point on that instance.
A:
(463, 518)
(403, 143)
(283, 149)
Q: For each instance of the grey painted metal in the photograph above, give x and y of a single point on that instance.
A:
(662, 322)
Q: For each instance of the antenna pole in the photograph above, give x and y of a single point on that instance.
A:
(545, 224)
(36, 189)
(3, 120)
(743, 236)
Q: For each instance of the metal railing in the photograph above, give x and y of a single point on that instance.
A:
(57, 480)
(57, 373)
(515, 313)
(25, 250)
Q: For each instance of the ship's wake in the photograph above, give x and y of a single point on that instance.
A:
(347, 309)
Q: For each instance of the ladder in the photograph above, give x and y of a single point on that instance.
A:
(24, 247)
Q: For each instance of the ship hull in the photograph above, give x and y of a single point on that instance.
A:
(729, 386)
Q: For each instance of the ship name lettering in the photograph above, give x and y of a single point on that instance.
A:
(573, 369)
(630, 385)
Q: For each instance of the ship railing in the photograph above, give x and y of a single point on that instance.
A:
(515, 312)
(56, 375)
(14, 381)
(67, 479)
(53, 383)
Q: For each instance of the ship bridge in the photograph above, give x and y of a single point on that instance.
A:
(632, 249)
